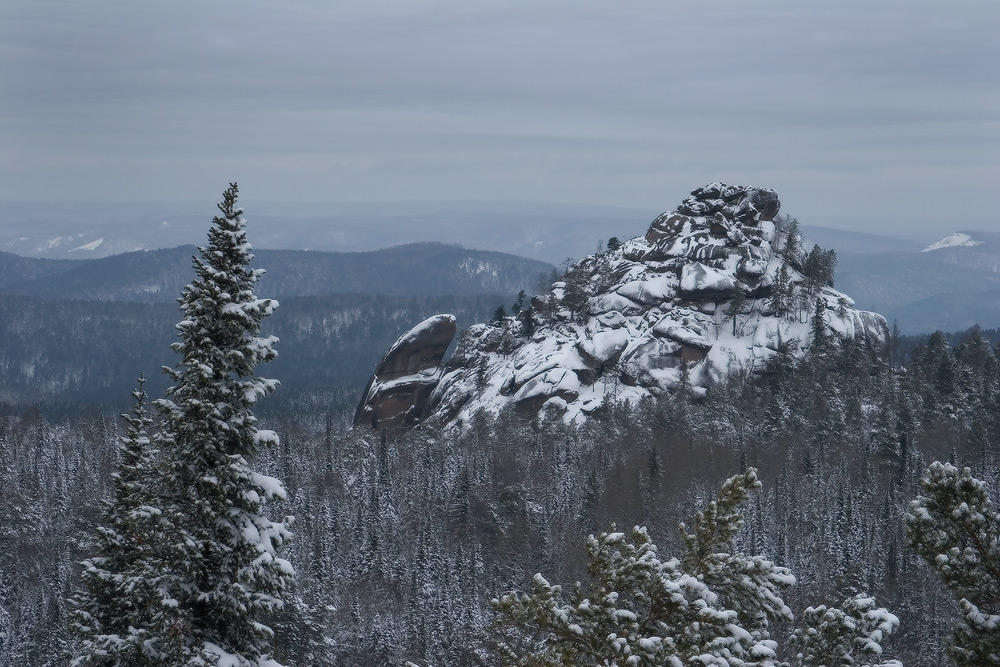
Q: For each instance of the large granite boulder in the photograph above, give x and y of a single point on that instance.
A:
(397, 394)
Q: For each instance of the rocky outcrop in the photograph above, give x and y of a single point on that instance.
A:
(713, 288)
(397, 394)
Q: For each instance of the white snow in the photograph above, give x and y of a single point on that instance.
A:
(956, 240)
(224, 658)
(271, 486)
(265, 437)
(93, 245)
(605, 345)
(696, 277)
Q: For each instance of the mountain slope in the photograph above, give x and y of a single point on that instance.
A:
(423, 269)
(15, 269)
(714, 289)
(939, 287)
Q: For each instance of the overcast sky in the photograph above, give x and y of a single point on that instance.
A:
(875, 115)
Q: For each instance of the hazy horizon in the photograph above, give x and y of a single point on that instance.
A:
(94, 213)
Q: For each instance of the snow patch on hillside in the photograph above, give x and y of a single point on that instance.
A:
(956, 240)
(93, 245)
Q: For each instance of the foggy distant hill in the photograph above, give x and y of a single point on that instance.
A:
(947, 283)
(538, 230)
(419, 269)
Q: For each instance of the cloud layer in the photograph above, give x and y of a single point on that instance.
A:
(861, 114)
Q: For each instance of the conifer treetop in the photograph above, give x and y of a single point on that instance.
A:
(111, 611)
(224, 572)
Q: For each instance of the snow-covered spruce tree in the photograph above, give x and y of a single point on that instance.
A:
(781, 292)
(575, 292)
(818, 325)
(636, 609)
(712, 608)
(849, 634)
(113, 609)
(955, 528)
(749, 585)
(223, 575)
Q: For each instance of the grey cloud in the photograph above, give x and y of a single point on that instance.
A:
(859, 113)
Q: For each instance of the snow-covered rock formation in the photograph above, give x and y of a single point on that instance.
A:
(397, 394)
(714, 288)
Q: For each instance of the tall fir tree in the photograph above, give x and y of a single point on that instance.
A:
(575, 292)
(712, 607)
(793, 241)
(780, 296)
(112, 610)
(750, 585)
(737, 299)
(818, 325)
(223, 573)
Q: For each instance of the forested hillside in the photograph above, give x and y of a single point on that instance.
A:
(68, 352)
(401, 543)
(79, 330)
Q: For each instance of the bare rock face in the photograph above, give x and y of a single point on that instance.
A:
(711, 289)
(397, 394)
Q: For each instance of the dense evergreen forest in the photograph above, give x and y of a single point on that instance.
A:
(68, 353)
(400, 543)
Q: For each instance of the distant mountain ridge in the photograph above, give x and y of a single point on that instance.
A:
(80, 330)
(975, 249)
(949, 284)
(950, 287)
(538, 230)
(418, 269)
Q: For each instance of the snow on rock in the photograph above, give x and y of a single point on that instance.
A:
(956, 240)
(698, 278)
(603, 346)
(655, 305)
(651, 291)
